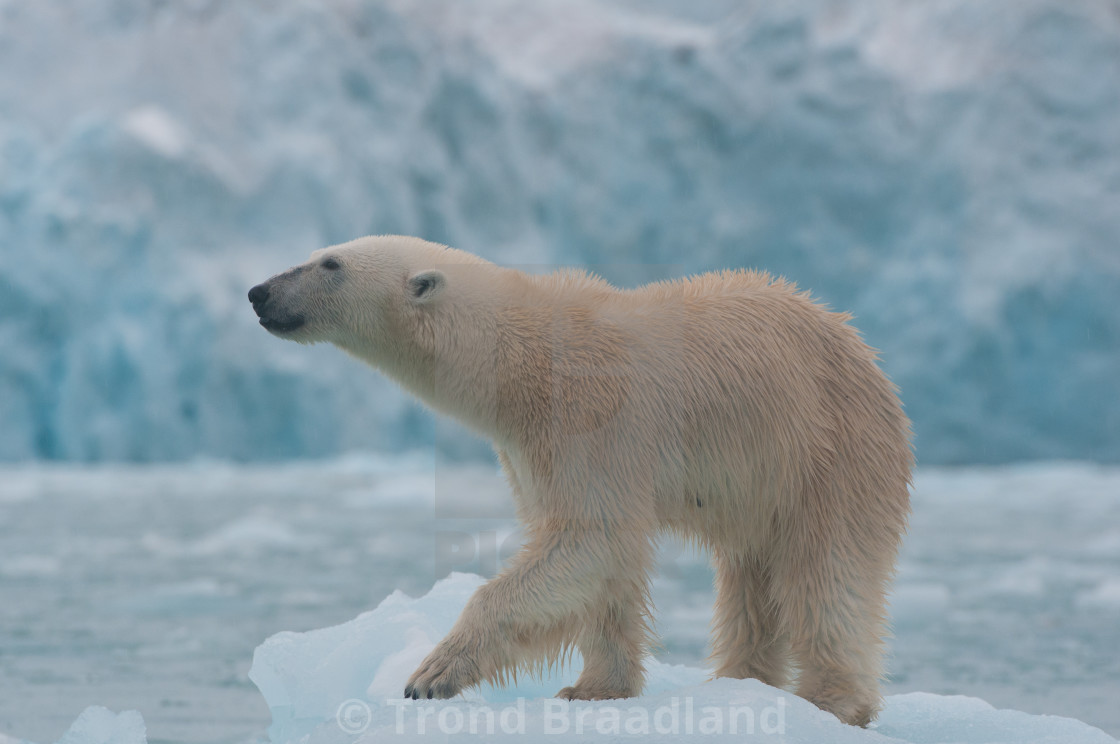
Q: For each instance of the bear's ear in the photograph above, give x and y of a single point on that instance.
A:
(424, 286)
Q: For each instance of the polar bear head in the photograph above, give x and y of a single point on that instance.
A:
(357, 295)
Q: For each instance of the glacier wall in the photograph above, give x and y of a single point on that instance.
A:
(948, 171)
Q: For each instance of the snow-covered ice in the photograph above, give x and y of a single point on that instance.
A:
(148, 589)
(344, 682)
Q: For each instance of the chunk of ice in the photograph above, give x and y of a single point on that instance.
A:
(345, 682)
(97, 725)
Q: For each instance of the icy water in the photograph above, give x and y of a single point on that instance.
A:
(149, 587)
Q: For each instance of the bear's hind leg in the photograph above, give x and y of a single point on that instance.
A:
(747, 641)
(836, 622)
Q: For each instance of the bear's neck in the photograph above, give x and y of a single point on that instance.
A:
(450, 358)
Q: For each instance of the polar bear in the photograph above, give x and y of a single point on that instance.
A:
(727, 408)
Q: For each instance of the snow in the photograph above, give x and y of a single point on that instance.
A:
(948, 171)
(148, 589)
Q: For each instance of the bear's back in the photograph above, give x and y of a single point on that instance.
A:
(747, 379)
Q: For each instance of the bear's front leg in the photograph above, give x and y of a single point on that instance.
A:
(531, 612)
(452, 666)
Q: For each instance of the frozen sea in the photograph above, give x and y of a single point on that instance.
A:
(149, 588)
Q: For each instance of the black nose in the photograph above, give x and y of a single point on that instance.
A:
(258, 294)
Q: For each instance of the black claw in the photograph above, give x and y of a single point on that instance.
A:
(429, 694)
(408, 691)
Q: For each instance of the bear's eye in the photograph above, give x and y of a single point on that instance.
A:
(331, 264)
